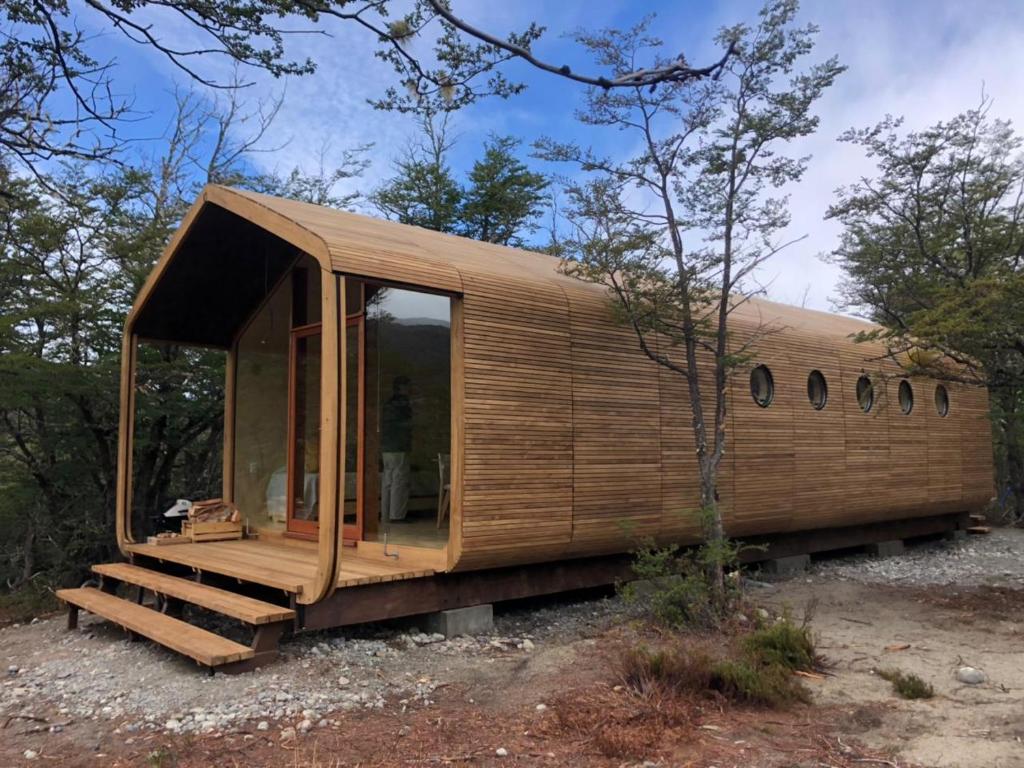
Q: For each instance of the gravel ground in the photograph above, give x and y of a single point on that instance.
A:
(93, 679)
(94, 674)
(995, 559)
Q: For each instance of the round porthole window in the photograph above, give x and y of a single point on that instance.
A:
(762, 386)
(817, 390)
(906, 397)
(865, 393)
(941, 400)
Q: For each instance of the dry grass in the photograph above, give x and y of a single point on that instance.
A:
(756, 668)
(668, 686)
(621, 723)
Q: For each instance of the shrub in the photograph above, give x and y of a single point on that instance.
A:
(33, 599)
(783, 644)
(752, 680)
(906, 684)
(755, 669)
(677, 587)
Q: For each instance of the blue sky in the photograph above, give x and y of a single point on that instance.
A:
(923, 60)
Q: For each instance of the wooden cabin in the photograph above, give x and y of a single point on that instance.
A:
(416, 421)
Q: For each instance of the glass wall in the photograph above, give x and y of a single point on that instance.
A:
(406, 415)
(262, 404)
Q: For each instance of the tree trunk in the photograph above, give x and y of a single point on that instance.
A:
(29, 547)
(1011, 428)
(713, 530)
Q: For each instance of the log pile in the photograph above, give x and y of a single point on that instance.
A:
(214, 511)
(212, 520)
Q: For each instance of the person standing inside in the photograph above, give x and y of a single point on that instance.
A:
(396, 445)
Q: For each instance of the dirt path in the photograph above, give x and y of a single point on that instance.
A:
(389, 697)
(862, 628)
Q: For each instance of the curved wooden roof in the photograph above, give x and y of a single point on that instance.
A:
(369, 247)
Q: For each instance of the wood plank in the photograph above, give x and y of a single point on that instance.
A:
(205, 647)
(218, 600)
(278, 569)
(561, 426)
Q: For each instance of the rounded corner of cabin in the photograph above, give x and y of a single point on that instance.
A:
(452, 557)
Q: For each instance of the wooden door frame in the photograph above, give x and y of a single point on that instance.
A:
(354, 533)
(306, 529)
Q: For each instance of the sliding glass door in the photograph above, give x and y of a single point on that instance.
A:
(304, 431)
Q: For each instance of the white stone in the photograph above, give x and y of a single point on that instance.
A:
(541, 707)
(263, 725)
(528, 645)
(305, 725)
(501, 752)
(287, 734)
(30, 754)
(343, 681)
(970, 676)
(172, 725)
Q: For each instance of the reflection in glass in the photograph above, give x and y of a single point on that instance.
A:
(407, 394)
(353, 427)
(261, 414)
(817, 390)
(305, 476)
(865, 393)
(941, 400)
(762, 386)
(906, 395)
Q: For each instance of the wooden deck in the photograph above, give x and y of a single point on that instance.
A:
(285, 566)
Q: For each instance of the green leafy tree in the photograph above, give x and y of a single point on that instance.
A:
(708, 170)
(933, 251)
(75, 247)
(504, 197)
(423, 192)
(499, 204)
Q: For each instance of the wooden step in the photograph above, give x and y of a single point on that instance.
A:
(979, 530)
(205, 647)
(218, 600)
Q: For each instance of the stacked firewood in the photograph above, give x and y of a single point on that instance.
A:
(214, 511)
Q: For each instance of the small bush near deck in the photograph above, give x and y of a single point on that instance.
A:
(783, 644)
(906, 684)
(751, 680)
(675, 586)
(755, 669)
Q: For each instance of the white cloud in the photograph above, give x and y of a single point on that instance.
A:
(926, 62)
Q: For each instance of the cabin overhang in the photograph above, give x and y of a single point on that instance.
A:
(339, 416)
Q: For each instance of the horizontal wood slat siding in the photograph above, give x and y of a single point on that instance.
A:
(945, 435)
(680, 475)
(517, 492)
(971, 405)
(762, 439)
(819, 437)
(616, 430)
(908, 455)
(575, 443)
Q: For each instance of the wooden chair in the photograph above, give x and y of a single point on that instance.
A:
(444, 493)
